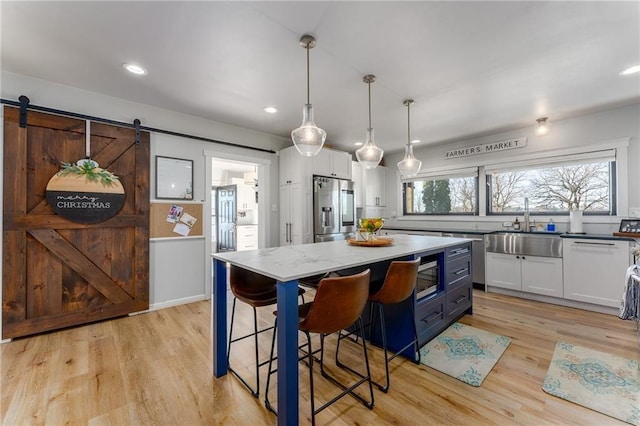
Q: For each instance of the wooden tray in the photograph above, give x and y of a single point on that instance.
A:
(378, 242)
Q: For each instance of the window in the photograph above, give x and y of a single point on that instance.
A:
(452, 193)
(585, 182)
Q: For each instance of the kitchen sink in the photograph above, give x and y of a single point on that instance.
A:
(545, 244)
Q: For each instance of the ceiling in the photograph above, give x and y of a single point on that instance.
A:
(473, 68)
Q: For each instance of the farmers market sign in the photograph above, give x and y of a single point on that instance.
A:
(487, 148)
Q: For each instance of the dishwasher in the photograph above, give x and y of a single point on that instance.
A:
(477, 255)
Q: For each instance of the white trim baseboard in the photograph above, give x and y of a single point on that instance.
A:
(172, 303)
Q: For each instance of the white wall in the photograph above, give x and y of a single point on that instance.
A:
(583, 131)
(180, 268)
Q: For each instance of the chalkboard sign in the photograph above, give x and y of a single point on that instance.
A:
(83, 199)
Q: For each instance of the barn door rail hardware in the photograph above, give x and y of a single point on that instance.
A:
(24, 104)
(124, 124)
(136, 125)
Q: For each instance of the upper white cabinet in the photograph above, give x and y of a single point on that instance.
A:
(332, 163)
(293, 166)
(594, 270)
(358, 184)
(375, 186)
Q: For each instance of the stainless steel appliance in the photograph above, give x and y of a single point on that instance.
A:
(333, 209)
(428, 277)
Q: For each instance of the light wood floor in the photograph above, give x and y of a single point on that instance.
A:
(155, 369)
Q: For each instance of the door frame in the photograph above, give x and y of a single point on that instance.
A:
(264, 199)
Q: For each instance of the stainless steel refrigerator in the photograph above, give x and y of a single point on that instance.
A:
(333, 209)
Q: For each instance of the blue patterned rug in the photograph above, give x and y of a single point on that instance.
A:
(605, 383)
(464, 352)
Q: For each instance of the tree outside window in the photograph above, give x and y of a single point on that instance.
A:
(554, 189)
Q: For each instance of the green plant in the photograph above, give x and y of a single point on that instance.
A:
(91, 170)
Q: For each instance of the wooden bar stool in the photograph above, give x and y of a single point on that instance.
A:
(338, 304)
(256, 291)
(399, 285)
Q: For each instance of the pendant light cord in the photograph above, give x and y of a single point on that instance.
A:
(369, 84)
(308, 90)
(408, 123)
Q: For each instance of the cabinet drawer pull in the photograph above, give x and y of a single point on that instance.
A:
(459, 251)
(461, 271)
(593, 244)
(431, 317)
(460, 300)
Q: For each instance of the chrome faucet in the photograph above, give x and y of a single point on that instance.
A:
(526, 214)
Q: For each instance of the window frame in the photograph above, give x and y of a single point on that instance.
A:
(609, 156)
(441, 175)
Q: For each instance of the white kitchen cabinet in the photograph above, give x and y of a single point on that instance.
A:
(295, 214)
(594, 270)
(332, 163)
(533, 274)
(375, 186)
(504, 271)
(247, 237)
(294, 168)
(246, 197)
(358, 183)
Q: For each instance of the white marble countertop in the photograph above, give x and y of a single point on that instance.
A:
(288, 263)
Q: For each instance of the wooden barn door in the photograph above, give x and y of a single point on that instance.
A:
(57, 273)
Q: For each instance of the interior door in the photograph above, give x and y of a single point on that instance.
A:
(58, 273)
(227, 217)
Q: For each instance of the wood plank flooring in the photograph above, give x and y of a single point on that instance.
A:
(155, 369)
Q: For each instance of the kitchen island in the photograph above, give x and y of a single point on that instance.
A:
(287, 264)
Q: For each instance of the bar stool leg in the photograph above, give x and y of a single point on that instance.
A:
(267, 403)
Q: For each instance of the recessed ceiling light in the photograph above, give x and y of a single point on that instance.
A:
(135, 69)
(270, 109)
(358, 144)
(631, 70)
(416, 141)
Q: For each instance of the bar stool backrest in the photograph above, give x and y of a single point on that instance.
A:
(338, 303)
(254, 289)
(399, 283)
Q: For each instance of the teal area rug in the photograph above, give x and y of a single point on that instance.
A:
(605, 383)
(464, 352)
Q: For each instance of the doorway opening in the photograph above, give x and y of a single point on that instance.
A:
(235, 205)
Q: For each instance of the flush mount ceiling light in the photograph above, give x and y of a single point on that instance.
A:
(369, 155)
(358, 143)
(135, 69)
(543, 126)
(630, 70)
(308, 138)
(270, 109)
(410, 165)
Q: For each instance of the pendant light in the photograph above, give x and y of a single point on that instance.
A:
(369, 155)
(308, 138)
(543, 126)
(410, 165)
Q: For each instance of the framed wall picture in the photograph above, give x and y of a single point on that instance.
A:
(174, 178)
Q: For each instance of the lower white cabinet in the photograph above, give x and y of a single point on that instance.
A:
(533, 274)
(247, 237)
(594, 270)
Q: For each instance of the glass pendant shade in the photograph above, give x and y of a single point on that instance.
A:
(308, 138)
(410, 165)
(369, 155)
